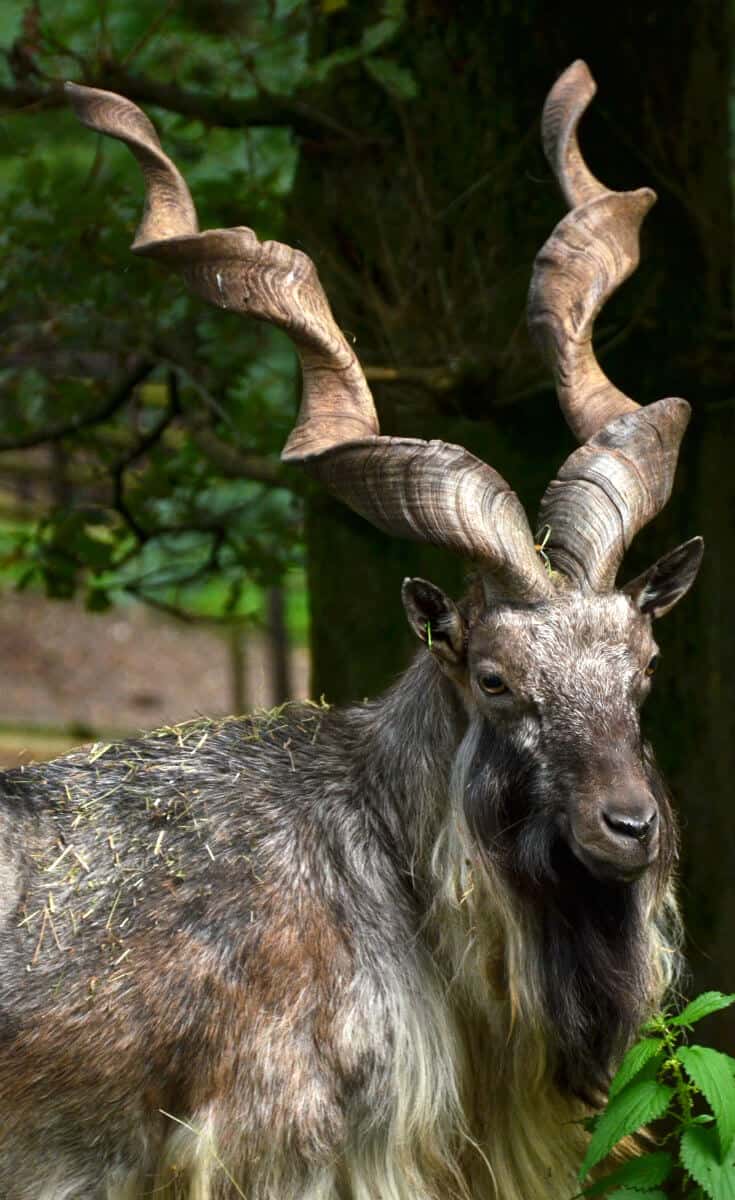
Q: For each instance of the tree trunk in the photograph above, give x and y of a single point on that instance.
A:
(354, 577)
(278, 646)
(238, 701)
(425, 236)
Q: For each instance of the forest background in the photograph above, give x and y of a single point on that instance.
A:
(398, 144)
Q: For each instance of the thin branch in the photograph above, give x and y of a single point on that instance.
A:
(174, 357)
(225, 621)
(226, 112)
(83, 474)
(229, 461)
(434, 379)
(236, 464)
(47, 357)
(53, 360)
(149, 439)
(138, 587)
(118, 397)
(148, 33)
(141, 447)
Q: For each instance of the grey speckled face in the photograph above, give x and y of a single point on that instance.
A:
(563, 683)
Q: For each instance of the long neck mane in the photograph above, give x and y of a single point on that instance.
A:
(562, 970)
(409, 740)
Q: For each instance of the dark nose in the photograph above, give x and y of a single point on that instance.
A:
(638, 823)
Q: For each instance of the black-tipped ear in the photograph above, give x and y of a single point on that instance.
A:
(660, 587)
(435, 619)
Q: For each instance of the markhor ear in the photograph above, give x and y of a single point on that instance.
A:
(435, 619)
(660, 587)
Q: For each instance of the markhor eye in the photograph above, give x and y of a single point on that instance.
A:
(493, 684)
(652, 665)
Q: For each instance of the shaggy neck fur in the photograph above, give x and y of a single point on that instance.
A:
(547, 971)
(413, 732)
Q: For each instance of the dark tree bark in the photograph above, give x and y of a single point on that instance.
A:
(278, 645)
(238, 669)
(425, 240)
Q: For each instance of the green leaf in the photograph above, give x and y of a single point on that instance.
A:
(702, 1006)
(634, 1194)
(712, 1072)
(634, 1061)
(380, 33)
(648, 1171)
(396, 80)
(97, 600)
(321, 70)
(700, 1158)
(637, 1104)
(645, 1172)
(27, 578)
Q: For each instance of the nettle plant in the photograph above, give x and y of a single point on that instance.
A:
(690, 1091)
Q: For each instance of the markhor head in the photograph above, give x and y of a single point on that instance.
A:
(551, 659)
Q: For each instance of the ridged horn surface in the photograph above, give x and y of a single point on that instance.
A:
(590, 253)
(622, 475)
(439, 493)
(565, 105)
(428, 491)
(609, 488)
(232, 269)
(169, 209)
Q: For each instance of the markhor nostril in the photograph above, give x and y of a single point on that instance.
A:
(629, 825)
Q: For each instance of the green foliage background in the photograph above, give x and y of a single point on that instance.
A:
(150, 512)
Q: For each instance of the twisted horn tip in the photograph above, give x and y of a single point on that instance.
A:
(115, 115)
(577, 75)
(570, 95)
(81, 97)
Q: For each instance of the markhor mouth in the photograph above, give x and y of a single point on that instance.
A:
(610, 870)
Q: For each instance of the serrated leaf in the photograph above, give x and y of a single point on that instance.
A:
(396, 80)
(634, 1061)
(637, 1104)
(713, 1074)
(702, 1006)
(648, 1171)
(700, 1158)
